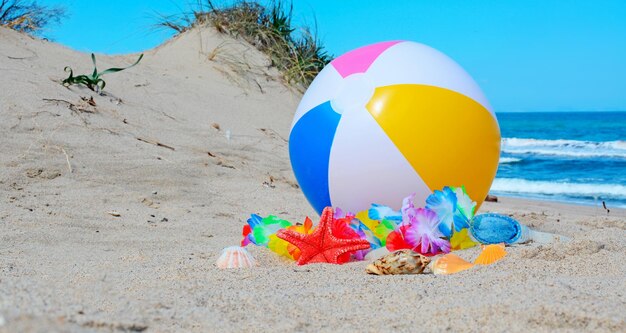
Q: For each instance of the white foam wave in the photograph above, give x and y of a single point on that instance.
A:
(568, 148)
(506, 160)
(523, 186)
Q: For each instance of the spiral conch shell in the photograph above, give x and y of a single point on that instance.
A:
(235, 257)
(399, 262)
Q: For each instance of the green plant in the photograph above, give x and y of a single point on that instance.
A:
(94, 80)
(296, 52)
(28, 16)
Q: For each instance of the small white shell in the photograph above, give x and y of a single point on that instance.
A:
(235, 257)
(375, 254)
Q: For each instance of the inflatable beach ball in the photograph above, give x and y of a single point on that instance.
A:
(391, 119)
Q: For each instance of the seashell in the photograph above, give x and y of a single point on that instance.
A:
(450, 264)
(235, 257)
(490, 254)
(377, 253)
(399, 262)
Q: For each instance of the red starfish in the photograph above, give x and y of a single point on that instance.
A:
(322, 245)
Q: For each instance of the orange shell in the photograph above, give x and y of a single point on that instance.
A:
(490, 254)
(450, 264)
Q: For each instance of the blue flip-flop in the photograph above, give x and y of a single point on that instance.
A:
(494, 228)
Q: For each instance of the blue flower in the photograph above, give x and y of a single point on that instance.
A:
(444, 204)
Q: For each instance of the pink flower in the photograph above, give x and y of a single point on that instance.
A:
(423, 233)
(419, 231)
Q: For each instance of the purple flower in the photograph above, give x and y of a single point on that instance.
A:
(423, 232)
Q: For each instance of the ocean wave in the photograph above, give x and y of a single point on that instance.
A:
(566, 148)
(507, 160)
(523, 186)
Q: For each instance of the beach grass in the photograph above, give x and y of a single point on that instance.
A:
(296, 51)
(28, 16)
(94, 81)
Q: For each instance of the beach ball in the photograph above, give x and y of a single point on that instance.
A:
(390, 119)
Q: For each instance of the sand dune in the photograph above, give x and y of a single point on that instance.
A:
(183, 147)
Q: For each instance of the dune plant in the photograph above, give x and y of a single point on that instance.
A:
(28, 16)
(296, 52)
(93, 81)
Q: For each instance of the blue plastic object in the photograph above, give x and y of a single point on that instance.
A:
(495, 228)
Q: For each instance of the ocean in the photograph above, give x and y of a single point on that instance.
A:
(573, 157)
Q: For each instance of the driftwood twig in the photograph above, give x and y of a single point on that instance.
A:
(156, 143)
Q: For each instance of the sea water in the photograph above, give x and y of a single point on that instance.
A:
(575, 157)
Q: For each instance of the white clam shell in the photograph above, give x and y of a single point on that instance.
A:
(235, 257)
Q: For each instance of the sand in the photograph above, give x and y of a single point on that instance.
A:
(183, 147)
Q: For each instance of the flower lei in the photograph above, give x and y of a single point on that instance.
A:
(441, 226)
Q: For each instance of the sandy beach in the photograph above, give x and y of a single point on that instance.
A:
(114, 210)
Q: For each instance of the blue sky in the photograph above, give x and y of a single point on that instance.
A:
(547, 55)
